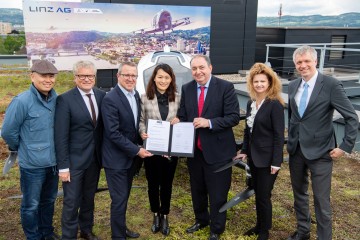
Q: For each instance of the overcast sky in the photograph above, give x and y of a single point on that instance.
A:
(271, 7)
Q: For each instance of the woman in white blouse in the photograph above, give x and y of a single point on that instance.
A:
(263, 141)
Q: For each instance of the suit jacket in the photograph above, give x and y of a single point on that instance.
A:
(76, 138)
(150, 110)
(314, 131)
(222, 108)
(121, 136)
(265, 143)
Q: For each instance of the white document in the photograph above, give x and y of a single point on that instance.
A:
(171, 140)
(183, 138)
(158, 132)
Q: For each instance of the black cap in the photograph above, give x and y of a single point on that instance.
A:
(43, 67)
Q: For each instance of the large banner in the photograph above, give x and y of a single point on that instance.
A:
(107, 34)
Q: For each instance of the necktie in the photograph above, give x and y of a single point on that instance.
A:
(93, 113)
(200, 108)
(302, 104)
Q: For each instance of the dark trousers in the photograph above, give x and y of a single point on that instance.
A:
(209, 188)
(119, 183)
(160, 174)
(263, 183)
(78, 203)
(320, 170)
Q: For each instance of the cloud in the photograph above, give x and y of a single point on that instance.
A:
(307, 7)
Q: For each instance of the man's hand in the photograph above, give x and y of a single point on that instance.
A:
(143, 153)
(201, 123)
(336, 153)
(64, 176)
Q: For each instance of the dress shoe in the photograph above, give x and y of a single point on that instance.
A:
(53, 236)
(299, 236)
(214, 236)
(263, 235)
(196, 227)
(252, 231)
(156, 223)
(88, 236)
(131, 234)
(165, 229)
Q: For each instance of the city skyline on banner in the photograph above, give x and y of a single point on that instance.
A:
(107, 34)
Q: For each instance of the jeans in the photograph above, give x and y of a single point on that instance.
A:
(39, 188)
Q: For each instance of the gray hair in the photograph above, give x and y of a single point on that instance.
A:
(303, 50)
(131, 64)
(84, 64)
(206, 58)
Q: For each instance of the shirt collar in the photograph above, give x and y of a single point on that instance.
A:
(84, 93)
(126, 91)
(207, 83)
(311, 82)
(160, 95)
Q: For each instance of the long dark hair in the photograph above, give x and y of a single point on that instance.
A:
(151, 87)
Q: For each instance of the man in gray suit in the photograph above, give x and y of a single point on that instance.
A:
(311, 141)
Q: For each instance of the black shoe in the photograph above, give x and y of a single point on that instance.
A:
(53, 236)
(251, 231)
(263, 235)
(88, 236)
(131, 234)
(165, 229)
(299, 236)
(196, 227)
(214, 236)
(156, 223)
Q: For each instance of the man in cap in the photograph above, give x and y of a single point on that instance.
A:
(28, 128)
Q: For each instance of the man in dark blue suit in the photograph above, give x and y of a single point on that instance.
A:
(78, 134)
(121, 115)
(211, 104)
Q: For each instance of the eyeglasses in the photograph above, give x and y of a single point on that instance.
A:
(83, 77)
(129, 76)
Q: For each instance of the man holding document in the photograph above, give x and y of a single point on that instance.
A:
(159, 106)
(211, 105)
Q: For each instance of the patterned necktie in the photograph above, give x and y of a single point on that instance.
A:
(93, 113)
(200, 108)
(302, 104)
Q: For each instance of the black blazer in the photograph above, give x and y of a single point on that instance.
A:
(265, 143)
(121, 136)
(221, 106)
(76, 138)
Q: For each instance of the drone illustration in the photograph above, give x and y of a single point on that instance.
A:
(162, 21)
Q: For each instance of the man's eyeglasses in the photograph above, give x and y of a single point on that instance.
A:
(83, 77)
(129, 76)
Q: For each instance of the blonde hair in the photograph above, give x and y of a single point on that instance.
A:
(275, 87)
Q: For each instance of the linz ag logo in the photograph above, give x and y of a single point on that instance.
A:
(50, 9)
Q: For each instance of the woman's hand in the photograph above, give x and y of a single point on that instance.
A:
(174, 121)
(240, 155)
(274, 170)
(144, 136)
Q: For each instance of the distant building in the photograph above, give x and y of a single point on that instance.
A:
(281, 58)
(5, 27)
(180, 45)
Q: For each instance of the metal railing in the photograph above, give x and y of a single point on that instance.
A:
(322, 47)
